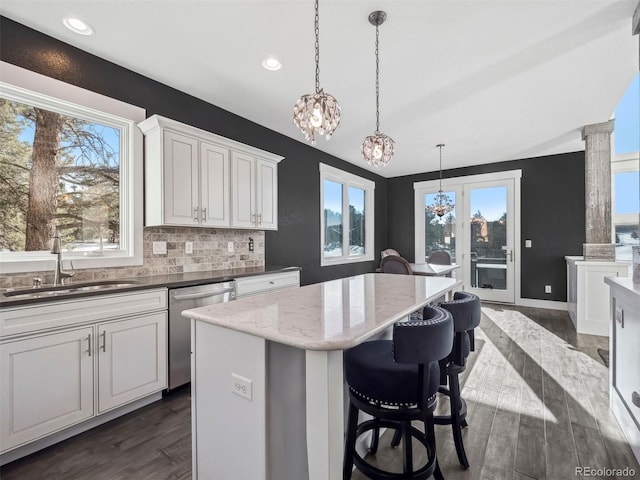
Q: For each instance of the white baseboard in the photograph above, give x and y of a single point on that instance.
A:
(548, 304)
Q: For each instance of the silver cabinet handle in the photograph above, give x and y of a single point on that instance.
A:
(195, 214)
(254, 218)
(89, 344)
(104, 340)
(204, 214)
(259, 219)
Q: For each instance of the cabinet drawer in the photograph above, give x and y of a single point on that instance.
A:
(264, 283)
(26, 319)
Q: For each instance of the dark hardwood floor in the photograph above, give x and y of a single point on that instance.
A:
(537, 395)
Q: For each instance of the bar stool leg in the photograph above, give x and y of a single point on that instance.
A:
(350, 442)
(375, 436)
(431, 440)
(407, 468)
(456, 421)
(397, 436)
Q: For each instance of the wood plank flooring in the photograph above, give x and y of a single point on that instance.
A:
(537, 396)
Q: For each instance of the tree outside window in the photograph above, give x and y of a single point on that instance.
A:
(59, 173)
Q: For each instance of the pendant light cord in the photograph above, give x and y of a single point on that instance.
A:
(377, 82)
(440, 145)
(317, 31)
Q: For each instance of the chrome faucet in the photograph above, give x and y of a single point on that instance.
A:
(60, 274)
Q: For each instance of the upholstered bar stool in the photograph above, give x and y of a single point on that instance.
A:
(396, 382)
(465, 309)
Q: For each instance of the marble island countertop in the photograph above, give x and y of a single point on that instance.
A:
(333, 315)
(625, 283)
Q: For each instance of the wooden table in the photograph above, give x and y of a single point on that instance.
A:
(267, 376)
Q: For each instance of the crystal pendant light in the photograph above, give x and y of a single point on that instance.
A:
(318, 112)
(377, 149)
(442, 203)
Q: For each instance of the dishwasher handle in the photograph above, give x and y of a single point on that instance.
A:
(190, 296)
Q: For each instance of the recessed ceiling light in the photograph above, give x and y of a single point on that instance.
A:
(272, 63)
(77, 26)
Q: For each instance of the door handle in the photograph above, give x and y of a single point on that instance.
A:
(509, 251)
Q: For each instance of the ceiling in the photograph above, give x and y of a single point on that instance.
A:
(492, 80)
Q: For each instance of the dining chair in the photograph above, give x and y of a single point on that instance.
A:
(395, 264)
(439, 257)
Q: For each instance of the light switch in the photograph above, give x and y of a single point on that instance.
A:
(188, 247)
(527, 244)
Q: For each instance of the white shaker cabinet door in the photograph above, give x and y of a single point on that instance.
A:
(215, 196)
(267, 194)
(243, 179)
(47, 385)
(132, 359)
(181, 206)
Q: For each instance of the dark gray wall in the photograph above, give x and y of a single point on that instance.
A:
(552, 187)
(297, 242)
(552, 213)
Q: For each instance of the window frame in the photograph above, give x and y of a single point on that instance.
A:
(21, 85)
(348, 180)
(622, 163)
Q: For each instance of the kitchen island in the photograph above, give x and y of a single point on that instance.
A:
(268, 393)
(624, 357)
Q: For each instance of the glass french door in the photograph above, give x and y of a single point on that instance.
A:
(479, 232)
(489, 240)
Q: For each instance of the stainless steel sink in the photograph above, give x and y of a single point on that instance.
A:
(42, 292)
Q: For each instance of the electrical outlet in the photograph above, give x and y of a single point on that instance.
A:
(527, 244)
(188, 247)
(159, 248)
(230, 247)
(241, 386)
(547, 289)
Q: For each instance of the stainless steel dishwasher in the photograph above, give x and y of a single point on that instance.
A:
(181, 299)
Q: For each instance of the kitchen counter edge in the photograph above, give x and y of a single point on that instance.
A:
(171, 280)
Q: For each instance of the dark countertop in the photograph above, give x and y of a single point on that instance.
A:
(173, 280)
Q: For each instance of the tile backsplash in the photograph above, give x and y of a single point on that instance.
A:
(209, 253)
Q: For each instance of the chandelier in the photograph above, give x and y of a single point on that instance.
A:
(318, 112)
(377, 149)
(442, 203)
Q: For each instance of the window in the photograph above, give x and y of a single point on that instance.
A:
(626, 204)
(346, 218)
(69, 164)
(439, 232)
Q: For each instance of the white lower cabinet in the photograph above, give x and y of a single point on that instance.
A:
(47, 385)
(132, 359)
(98, 354)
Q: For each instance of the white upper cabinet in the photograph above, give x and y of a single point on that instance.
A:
(197, 178)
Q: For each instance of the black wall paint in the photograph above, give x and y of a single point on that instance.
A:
(552, 213)
(552, 187)
(297, 241)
